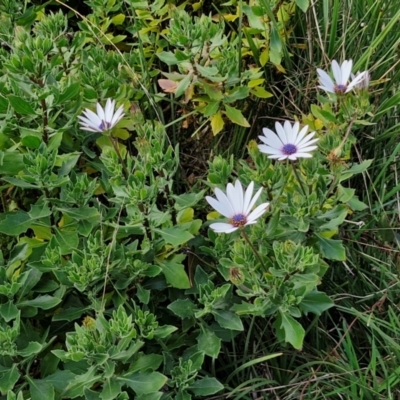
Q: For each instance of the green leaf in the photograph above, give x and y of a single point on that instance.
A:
(71, 92)
(11, 162)
(331, 249)
(356, 205)
(144, 382)
(323, 115)
(3, 105)
(44, 302)
(60, 379)
(174, 272)
(355, 169)
(183, 85)
(337, 216)
(15, 223)
(316, 303)
(77, 385)
(67, 162)
(146, 363)
(175, 236)
(40, 389)
(205, 387)
(261, 93)
(228, 320)
(31, 138)
(303, 4)
(183, 395)
(290, 330)
(20, 105)
(183, 308)
(239, 93)
(67, 241)
(209, 342)
(150, 396)
(8, 311)
(143, 294)
(30, 350)
(164, 331)
(8, 378)
(167, 57)
(111, 389)
(213, 92)
(236, 116)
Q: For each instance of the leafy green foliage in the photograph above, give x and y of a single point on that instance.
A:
(111, 285)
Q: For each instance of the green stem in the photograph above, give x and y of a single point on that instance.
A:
(126, 172)
(257, 254)
(298, 178)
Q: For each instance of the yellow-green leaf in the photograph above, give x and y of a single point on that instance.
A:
(261, 93)
(217, 123)
(118, 19)
(236, 116)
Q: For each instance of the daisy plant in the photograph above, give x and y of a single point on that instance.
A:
(364, 83)
(237, 206)
(288, 143)
(340, 84)
(103, 122)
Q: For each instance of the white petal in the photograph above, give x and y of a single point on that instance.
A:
(109, 110)
(223, 199)
(233, 198)
(346, 71)
(239, 196)
(281, 132)
(329, 90)
(90, 129)
(295, 132)
(92, 117)
(258, 211)
(100, 112)
(117, 116)
(269, 150)
(278, 156)
(253, 201)
(306, 144)
(306, 149)
(301, 135)
(326, 81)
(293, 157)
(337, 72)
(287, 126)
(247, 197)
(218, 206)
(307, 139)
(271, 138)
(355, 81)
(303, 155)
(222, 227)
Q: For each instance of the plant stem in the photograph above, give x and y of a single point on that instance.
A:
(115, 145)
(257, 254)
(298, 178)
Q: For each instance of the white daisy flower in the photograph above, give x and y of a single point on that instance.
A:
(236, 206)
(104, 120)
(341, 74)
(287, 142)
(364, 83)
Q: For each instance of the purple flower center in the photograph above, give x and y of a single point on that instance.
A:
(289, 149)
(340, 89)
(238, 220)
(105, 126)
